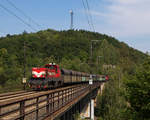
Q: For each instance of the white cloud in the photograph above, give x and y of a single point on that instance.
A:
(125, 1)
(126, 17)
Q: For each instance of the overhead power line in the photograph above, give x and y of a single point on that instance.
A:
(90, 14)
(23, 13)
(19, 18)
(86, 14)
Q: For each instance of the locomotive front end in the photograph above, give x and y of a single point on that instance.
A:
(46, 77)
(38, 77)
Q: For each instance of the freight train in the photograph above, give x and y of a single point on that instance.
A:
(51, 76)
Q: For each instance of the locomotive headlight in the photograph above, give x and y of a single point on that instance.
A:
(51, 73)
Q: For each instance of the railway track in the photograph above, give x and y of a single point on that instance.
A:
(10, 95)
(18, 94)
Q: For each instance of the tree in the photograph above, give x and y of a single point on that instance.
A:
(138, 92)
(111, 104)
(70, 49)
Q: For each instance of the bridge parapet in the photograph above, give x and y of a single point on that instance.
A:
(45, 105)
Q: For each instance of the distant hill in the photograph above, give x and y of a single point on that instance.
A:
(70, 49)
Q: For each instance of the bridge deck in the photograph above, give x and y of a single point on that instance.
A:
(44, 105)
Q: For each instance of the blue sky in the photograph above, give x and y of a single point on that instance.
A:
(126, 20)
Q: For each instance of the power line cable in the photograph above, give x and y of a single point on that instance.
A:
(19, 18)
(87, 17)
(23, 13)
(88, 9)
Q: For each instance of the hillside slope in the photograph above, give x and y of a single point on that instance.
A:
(70, 49)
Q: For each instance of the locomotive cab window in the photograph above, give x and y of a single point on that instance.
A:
(51, 67)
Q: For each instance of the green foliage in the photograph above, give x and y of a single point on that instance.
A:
(77, 116)
(138, 92)
(111, 105)
(70, 49)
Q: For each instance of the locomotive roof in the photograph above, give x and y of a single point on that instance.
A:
(51, 64)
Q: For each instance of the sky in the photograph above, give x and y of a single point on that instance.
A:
(126, 20)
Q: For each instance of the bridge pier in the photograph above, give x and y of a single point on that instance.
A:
(88, 110)
(85, 106)
(92, 109)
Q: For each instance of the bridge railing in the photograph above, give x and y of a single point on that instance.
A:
(39, 106)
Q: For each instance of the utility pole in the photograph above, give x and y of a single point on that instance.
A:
(98, 57)
(24, 63)
(92, 50)
(71, 23)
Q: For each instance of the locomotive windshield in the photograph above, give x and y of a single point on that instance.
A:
(51, 67)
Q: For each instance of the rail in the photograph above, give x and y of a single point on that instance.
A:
(42, 105)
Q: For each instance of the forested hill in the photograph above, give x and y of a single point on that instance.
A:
(70, 49)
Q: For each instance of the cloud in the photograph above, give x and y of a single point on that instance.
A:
(125, 17)
(125, 1)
